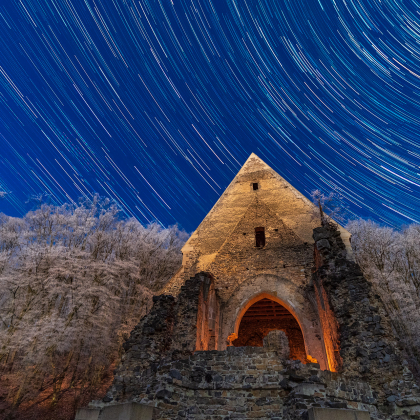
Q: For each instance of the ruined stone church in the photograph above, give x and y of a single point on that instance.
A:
(256, 245)
(268, 317)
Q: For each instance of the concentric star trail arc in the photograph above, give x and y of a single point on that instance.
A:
(157, 104)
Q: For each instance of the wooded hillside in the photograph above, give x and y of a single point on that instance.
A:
(74, 281)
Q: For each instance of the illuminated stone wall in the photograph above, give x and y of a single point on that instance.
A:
(252, 333)
(354, 321)
(224, 245)
(163, 368)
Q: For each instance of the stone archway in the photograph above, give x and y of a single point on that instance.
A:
(287, 294)
(263, 314)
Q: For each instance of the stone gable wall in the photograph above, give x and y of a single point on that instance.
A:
(220, 247)
(224, 246)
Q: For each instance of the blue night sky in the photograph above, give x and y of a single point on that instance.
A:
(158, 103)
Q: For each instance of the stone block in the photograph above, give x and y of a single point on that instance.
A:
(277, 340)
(309, 389)
(317, 413)
(87, 414)
(320, 233)
(126, 411)
(323, 244)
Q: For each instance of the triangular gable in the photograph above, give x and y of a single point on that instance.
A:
(284, 201)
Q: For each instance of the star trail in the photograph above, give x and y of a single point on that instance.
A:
(158, 103)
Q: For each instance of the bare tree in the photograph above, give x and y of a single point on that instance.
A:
(329, 208)
(74, 281)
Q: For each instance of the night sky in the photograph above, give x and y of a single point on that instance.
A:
(158, 104)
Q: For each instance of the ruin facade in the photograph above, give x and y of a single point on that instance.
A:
(268, 317)
(257, 245)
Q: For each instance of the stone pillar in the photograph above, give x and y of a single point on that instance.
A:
(126, 411)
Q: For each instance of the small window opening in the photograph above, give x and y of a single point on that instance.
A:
(255, 186)
(259, 237)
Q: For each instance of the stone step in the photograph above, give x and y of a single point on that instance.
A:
(125, 411)
(318, 413)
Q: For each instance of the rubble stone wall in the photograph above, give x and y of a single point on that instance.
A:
(358, 326)
(163, 367)
(254, 382)
(172, 330)
(246, 383)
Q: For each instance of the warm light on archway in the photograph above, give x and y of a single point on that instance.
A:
(259, 297)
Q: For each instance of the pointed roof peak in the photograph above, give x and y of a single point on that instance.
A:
(283, 200)
(254, 163)
(253, 155)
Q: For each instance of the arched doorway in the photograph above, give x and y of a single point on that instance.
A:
(263, 315)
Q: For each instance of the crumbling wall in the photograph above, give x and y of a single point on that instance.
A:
(329, 324)
(208, 313)
(147, 346)
(172, 330)
(255, 382)
(162, 367)
(355, 322)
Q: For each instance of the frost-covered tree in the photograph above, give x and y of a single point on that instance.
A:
(74, 281)
(329, 207)
(390, 259)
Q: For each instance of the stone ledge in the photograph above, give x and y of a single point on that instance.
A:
(316, 413)
(125, 411)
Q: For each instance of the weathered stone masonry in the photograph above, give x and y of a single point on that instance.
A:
(254, 382)
(179, 359)
(173, 330)
(225, 245)
(358, 323)
(249, 382)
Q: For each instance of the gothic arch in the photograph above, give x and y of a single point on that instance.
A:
(259, 297)
(287, 294)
